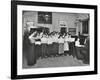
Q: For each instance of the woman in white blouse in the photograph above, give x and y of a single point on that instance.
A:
(38, 45)
(50, 45)
(66, 45)
(61, 45)
(55, 44)
(78, 49)
(44, 45)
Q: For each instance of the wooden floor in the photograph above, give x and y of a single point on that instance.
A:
(61, 61)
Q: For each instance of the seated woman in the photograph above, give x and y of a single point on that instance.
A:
(78, 49)
(85, 52)
(81, 39)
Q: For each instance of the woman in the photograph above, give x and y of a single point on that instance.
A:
(32, 40)
(50, 45)
(78, 49)
(44, 45)
(38, 46)
(61, 45)
(55, 45)
(66, 45)
(28, 49)
(72, 45)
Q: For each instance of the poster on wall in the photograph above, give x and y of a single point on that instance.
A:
(42, 53)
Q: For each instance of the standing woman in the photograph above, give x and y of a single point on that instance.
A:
(44, 45)
(32, 56)
(61, 45)
(71, 46)
(50, 45)
(38, 46)
(28, 51)
(66, 45)
(55, 46)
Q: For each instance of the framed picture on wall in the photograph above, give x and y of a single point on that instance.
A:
(45, 17)
(31, 57)
(72, 31)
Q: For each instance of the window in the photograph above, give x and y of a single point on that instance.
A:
(45, 17)
(85, 27)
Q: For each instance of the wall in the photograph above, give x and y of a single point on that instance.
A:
(33, 16)
(69, 18)
(5, 56)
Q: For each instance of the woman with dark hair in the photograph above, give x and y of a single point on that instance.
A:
(85, 51)
(66, 45)
(32, 40)
(61, 45)
(78, 50)
(28, 48)
(55, 44)
(44, 45)
(50, 45)
(37, 46)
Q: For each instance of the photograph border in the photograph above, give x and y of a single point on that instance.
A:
(14, 39)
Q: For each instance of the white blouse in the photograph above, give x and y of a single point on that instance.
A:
(50, 40)
(77, 43)
(44, 40)
(38, 42)
(71, 39)
(60, 40)
(55, 39)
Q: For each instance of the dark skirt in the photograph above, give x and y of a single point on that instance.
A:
(78, 53)
(44, 50)
(55, 48)
(50, 49)
(31, 56)
(37, 51)
(71, 48)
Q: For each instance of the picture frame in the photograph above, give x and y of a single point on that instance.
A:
(72, 30)
(16, 33)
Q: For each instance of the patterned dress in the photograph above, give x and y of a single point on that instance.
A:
(66, 45)
(61, 45)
